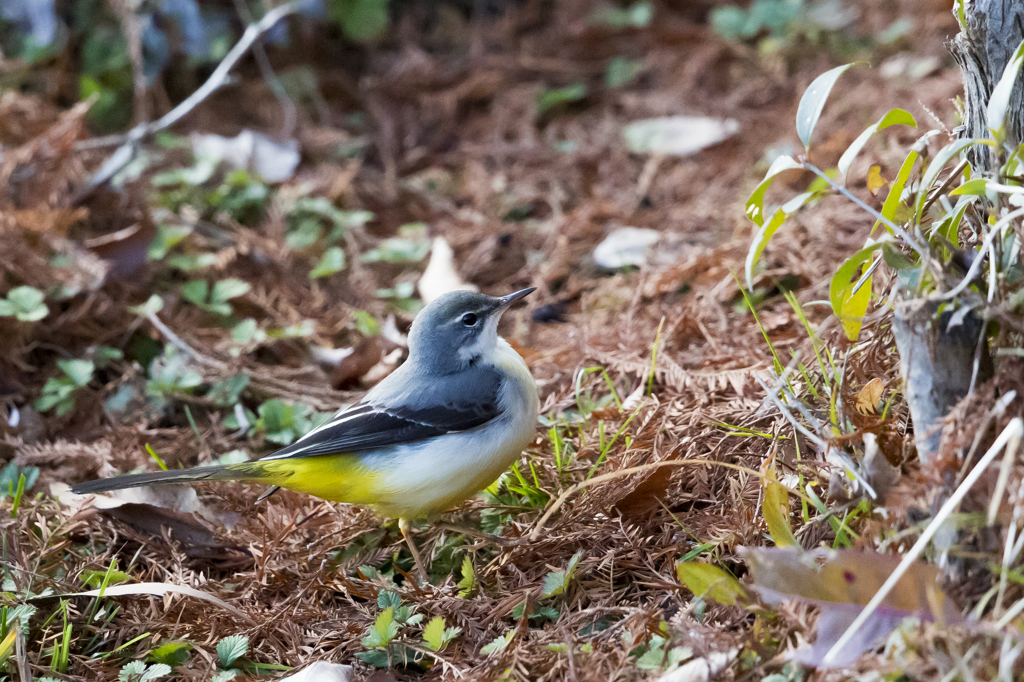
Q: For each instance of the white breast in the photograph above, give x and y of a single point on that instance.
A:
(419, 479)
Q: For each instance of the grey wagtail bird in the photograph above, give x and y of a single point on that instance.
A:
(437, 430)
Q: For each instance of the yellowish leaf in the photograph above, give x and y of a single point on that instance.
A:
(776, 510)
(710, 582)
(869, 396)
(875, 180)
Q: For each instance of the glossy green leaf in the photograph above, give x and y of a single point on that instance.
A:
(813, 102)
(755, 204)
(976, 187)
(895, 196)
(893, 117)
(764, 235)
(930, 175)
(848, 306)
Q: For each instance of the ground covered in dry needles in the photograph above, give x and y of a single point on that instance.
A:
(190, 314)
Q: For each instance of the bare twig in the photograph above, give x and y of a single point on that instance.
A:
(128, 141)
(817, 440)
(1010, 439)
(976, 264)
(133, 35)
(269, 75)
(180, 344)
(900, 232)
(604, 478)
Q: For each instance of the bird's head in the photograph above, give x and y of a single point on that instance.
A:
(457, 329)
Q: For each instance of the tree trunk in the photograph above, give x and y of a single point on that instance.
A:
(990, 31)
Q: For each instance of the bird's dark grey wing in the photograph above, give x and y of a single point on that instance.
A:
(414, 410)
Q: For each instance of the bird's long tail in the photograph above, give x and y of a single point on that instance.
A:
(249, 471)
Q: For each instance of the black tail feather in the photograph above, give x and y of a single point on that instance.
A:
(210, 473)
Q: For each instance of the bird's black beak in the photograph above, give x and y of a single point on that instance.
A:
(506, 301)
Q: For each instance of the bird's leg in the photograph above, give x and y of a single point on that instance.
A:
(406, 527)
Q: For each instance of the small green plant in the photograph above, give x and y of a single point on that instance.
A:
(58, 392)
(25, 304)
(241, 196)
(15, 480)
(919, 225)
(361, 20)
(436, 634)
(332, 261)
(283, 423)
(171, 374)
(380, 640)
(637, 15)
(308, 216)
(539, 613)
(215, 299)
(498, 644)
(247, 336)
(557, 582)
(621, 71)
(60, 654)
(137, 671)
(410, 246)
(230, 652)
(549, 99)
(659, 655)
(171, 654)
(780, 20)
(468, 584)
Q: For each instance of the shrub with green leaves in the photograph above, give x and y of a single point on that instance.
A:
(58, 392)
(24, 304)
(280, 422)
(381, 640)
(137, 671)
(922, 228)
(215, 299)
(780, 20)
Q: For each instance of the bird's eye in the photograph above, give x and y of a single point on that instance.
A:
(469, 319)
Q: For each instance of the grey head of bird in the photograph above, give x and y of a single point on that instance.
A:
(456, 329)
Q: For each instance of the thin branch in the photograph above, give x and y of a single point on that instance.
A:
(217, 79)
(180, 344)
(945, 185)
(900, 232)
(604, 478)
(976, 263)
(789, 415)
(1009, 438)
(269, 75)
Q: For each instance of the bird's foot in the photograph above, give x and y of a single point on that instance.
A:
(406, 527)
